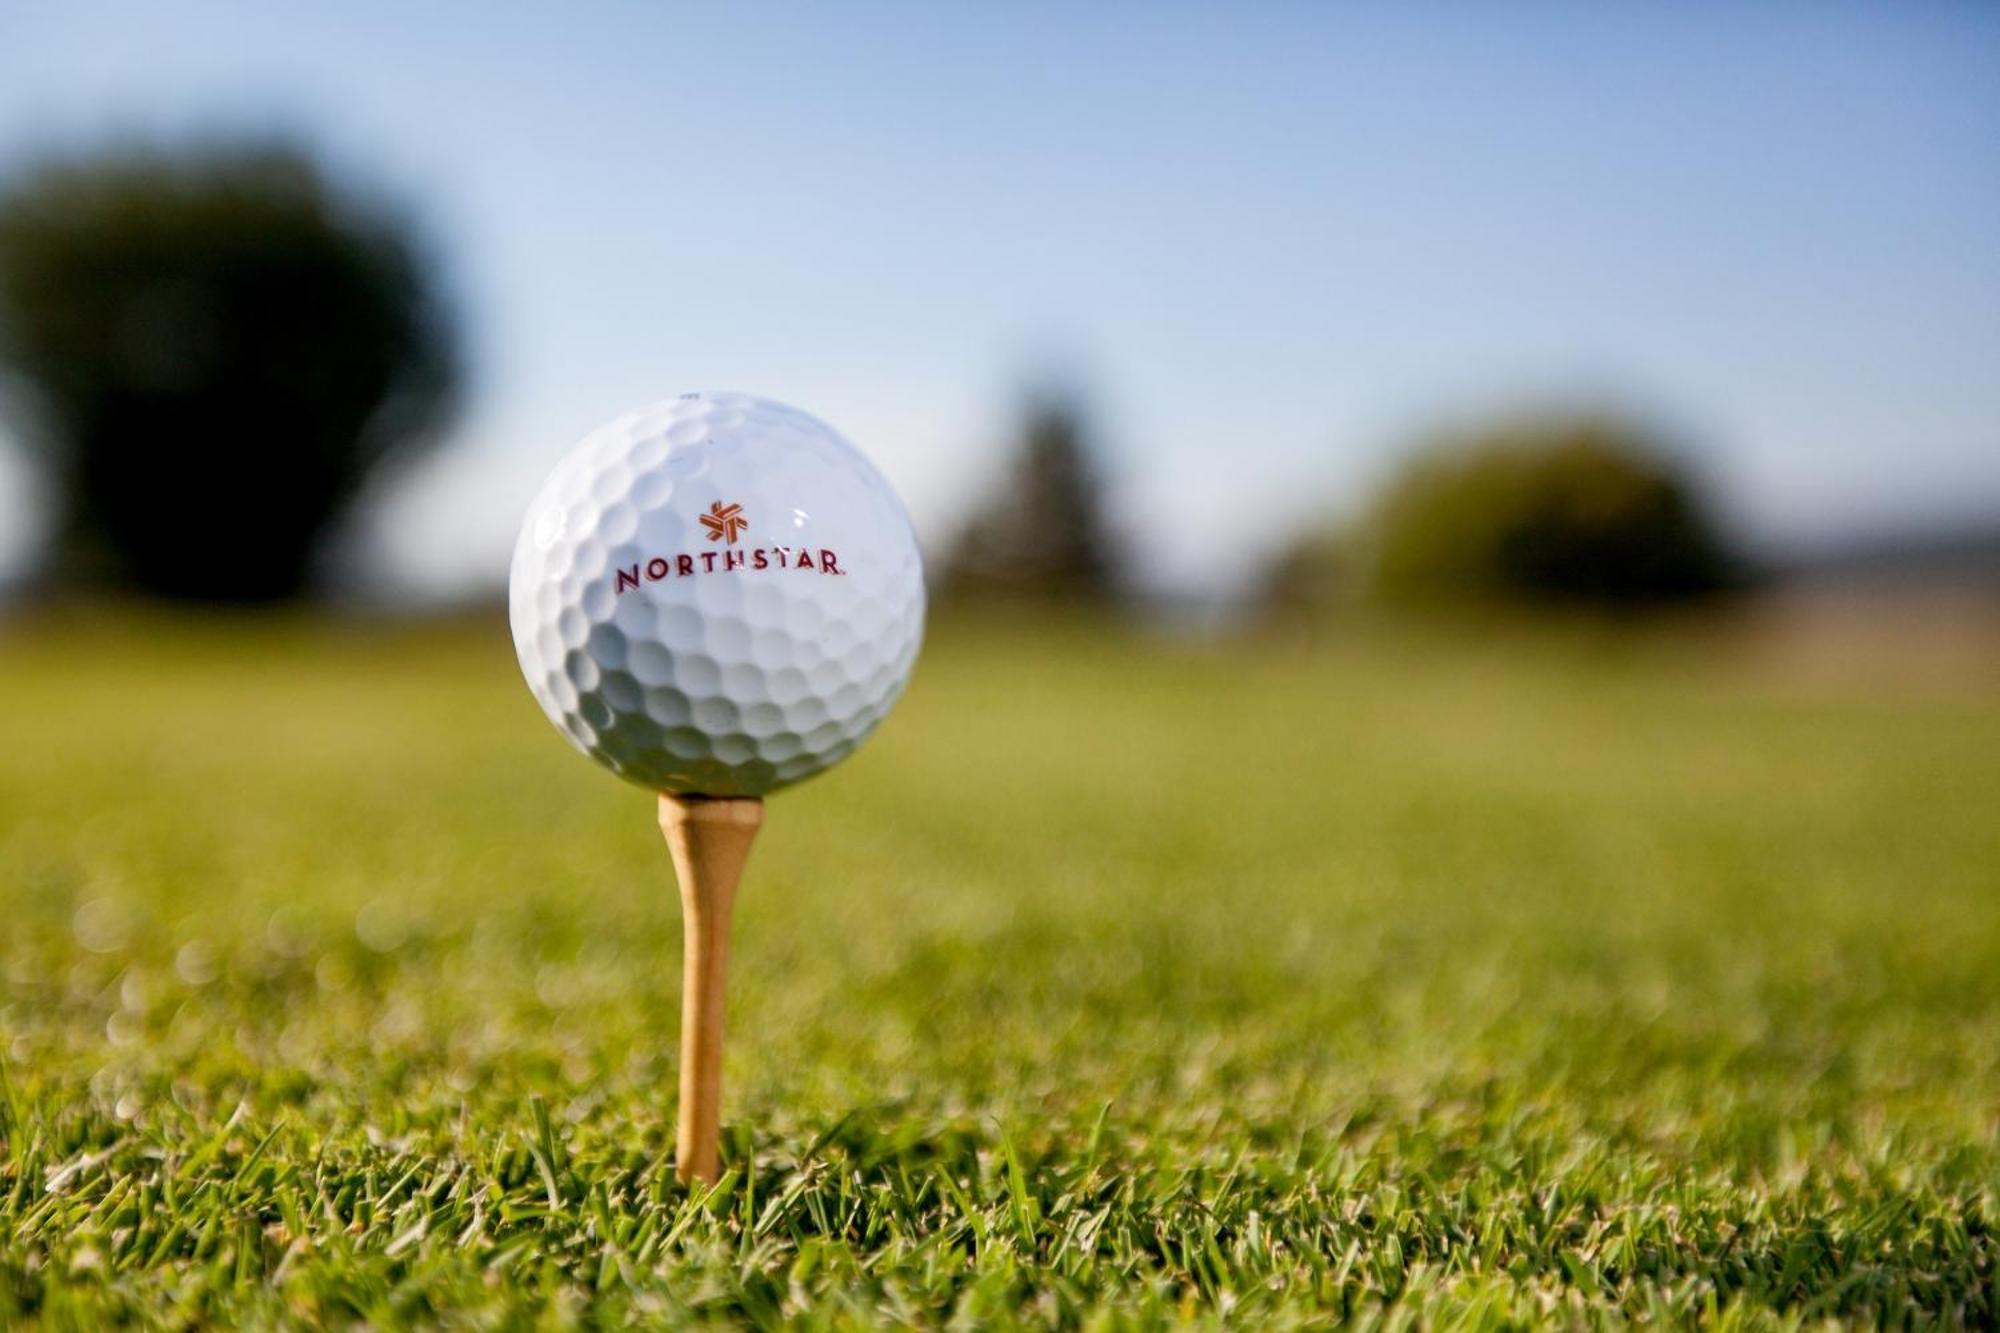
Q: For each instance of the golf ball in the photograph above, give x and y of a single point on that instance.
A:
(717, 595)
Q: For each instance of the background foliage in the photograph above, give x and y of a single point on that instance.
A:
(218, 346)
(1041, 534)
(1550, 511)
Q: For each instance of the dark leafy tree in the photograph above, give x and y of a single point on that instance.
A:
(1578, 510)
(1042, 535)
(1569, 510)
(214, 349)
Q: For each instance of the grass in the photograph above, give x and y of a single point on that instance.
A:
(1482, 982)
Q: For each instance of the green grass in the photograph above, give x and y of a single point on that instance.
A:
(1114, 983)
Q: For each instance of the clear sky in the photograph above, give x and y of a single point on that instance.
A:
(1269, 241)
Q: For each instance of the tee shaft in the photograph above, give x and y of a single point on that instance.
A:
(709, 839)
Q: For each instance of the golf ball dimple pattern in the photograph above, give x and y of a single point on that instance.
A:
(716, 595)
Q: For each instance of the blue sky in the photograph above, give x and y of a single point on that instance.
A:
(1270, 242)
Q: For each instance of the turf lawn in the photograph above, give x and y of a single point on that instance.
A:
(1114, 983)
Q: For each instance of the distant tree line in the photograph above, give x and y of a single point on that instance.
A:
(214, 349)
(1555, 510)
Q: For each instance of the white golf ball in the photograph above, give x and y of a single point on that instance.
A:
(717, 595)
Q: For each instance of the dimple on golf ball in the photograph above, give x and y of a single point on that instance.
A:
(717, 595)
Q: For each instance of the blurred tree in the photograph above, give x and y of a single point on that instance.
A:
(216, 348)
(1312, 574)
(1043, 534)
(1576, 510)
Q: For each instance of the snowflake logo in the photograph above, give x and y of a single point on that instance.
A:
(724, 522)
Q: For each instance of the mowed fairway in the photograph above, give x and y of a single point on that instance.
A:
(1116, 981)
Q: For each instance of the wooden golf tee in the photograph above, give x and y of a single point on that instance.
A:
(710, 839)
